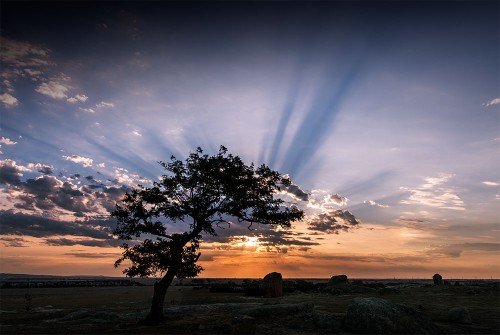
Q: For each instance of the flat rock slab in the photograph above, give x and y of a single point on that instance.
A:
(378, 316)
(268, 311)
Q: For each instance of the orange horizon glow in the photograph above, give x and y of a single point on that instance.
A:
(245, 259)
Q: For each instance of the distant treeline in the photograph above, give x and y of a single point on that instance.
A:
(68, 283)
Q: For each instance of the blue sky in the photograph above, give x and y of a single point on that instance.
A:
(388, 110)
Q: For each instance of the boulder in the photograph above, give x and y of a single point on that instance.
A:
(459, 315)
(437, 279)
(378, 316)
(272, 285)
(338, 280)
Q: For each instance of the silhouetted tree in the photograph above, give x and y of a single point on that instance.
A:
(202, 192)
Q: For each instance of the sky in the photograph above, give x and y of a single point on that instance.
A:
(385, 115)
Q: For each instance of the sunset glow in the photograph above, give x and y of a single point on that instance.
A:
(384, 115)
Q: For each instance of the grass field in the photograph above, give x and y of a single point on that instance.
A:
(191, 310)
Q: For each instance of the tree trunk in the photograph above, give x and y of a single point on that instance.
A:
(160, 290)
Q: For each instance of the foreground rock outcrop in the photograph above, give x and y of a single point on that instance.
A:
(459, 315)
(378, 316)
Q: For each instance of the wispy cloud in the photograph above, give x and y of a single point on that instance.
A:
(104, 104)
(492, 102)
(77, 98)
(376, 204)
(455, 250)
(490, 183)
(55, 88)
(88, 110)
(432, 193)
(13, 242)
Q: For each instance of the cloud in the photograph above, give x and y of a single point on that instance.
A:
(88, 110)
(432, 194)
(103, 104)
(77, 98)
(8, 100)
(492, 102)
(373, 203)
(284, 237)
(13, 242)
(332, 222)
(46, 192)
(36, 226)
(335, 199)
(136, 133)
(86, 162)
(45, 169)
(455, 250)
(321, 199)
(103, 243)
(7, 141)
(56, 89)
(296, 192)
(490, 183)
(20, 54)
(10, 172)
(93, 255)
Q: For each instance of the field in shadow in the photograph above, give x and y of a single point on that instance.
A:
(197, 310)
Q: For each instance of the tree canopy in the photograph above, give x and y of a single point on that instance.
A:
(202, 192)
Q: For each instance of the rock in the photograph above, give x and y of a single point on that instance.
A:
(339, 279)
(378, 316)
(329, 322)
(459, 315)
(273, 285)
(266, 311)
(437, 279)
(244, 325)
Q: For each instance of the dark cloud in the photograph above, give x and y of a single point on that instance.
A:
(45, 169)
(333, 222)
(86, 242)
(13, 242)
(284, 238)
(295, 191)
(36, 226)
(9, 173)
(336, 199)
(455, 250)
(93, 255)
(47, 192)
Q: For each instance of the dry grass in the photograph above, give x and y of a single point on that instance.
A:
(117, 309)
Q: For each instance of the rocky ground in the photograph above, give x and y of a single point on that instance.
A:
(196, 310)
